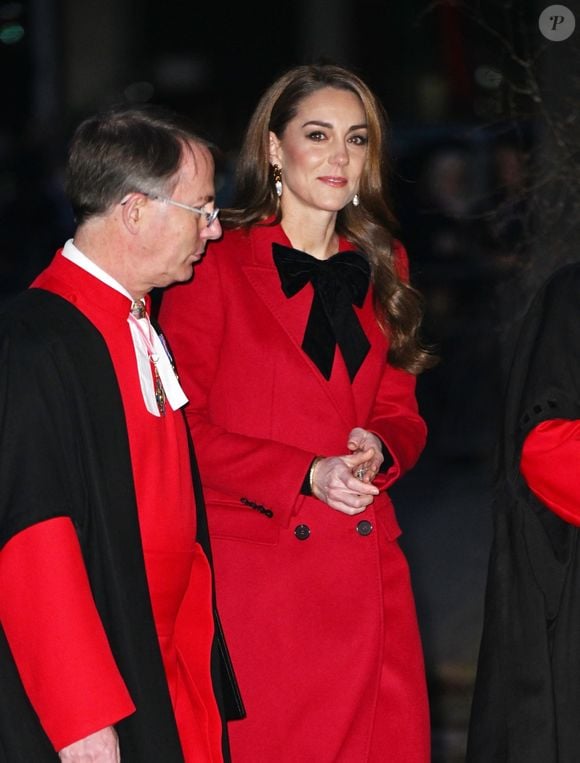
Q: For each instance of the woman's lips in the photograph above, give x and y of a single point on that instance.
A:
(336, 182)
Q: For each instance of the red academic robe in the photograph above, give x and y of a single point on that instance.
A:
(317, 605)
(58, 641)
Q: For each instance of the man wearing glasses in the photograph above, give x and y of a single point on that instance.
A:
(110, 646)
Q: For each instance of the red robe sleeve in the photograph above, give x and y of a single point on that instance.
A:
(56, 636)
(550, 464)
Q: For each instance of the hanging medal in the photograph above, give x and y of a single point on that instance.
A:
(138, 313)
(159, 391)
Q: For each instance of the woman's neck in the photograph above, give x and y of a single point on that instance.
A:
(316, 236)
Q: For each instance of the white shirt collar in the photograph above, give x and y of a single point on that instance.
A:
(74, 254)
(143, 353)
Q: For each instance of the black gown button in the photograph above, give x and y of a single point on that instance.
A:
(364, 527)
(302, 532)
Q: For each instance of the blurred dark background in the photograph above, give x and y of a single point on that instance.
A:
(484, 147)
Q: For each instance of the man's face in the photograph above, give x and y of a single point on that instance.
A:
(176, 237)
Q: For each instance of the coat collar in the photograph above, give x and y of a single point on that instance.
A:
(292, 314)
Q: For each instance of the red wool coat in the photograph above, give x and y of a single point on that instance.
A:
(317, 605)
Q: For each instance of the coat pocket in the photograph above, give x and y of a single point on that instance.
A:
(236, 520)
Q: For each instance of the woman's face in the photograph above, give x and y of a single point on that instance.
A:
(322, 152)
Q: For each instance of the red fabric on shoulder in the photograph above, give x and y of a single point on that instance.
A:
(550, 465)
(56, 636)
(401, 260)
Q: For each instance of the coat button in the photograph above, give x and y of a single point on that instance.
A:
(364, 527)
(302, 532)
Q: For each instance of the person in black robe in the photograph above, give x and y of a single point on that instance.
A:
(526, 705)
(67, 454)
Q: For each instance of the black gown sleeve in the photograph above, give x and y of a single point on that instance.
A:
(37, 446)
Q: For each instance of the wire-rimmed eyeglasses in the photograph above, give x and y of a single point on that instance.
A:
(210, 217)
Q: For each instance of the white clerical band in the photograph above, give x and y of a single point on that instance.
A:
(141, 327)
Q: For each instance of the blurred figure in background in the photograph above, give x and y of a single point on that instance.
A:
(457, 273)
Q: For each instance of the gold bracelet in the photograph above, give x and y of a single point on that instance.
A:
(313, 466)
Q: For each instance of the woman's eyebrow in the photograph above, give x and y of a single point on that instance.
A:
(330, 125)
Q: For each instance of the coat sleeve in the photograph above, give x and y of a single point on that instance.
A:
(395, 416)
(396, 421)
(46, 606)
(550, 464)
(192, 317)
(55, 634)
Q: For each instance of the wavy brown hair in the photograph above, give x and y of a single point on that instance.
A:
(370, 226)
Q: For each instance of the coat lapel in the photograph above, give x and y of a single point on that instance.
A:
(292, 314)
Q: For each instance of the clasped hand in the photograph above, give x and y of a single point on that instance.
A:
(335, 479)
(100, 747)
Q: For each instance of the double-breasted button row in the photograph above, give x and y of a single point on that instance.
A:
(364, 527)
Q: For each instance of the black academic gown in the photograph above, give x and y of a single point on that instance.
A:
(526, 706)
(65, 452)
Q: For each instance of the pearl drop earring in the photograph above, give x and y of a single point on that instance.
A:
(277, 173)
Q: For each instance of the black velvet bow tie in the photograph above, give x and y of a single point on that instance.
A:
(338, 282)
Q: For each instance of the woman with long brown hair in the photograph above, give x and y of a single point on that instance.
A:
(297, 345)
